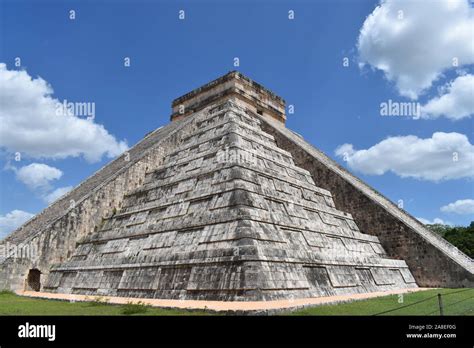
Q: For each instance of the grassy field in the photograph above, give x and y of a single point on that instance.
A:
(12, 304)
(456, 302)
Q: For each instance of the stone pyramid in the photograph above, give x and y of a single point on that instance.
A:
(225, 203)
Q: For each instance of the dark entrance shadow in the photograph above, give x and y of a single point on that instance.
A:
(34, 280)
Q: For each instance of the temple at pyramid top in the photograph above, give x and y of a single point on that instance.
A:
(233, 84)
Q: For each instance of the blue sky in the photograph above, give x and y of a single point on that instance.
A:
(82, 60)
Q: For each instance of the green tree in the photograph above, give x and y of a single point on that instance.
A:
(461, 237)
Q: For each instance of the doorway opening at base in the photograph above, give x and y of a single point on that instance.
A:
(34, 280)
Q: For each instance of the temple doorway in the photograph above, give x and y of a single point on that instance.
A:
(34, 280)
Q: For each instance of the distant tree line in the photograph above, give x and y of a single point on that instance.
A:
(461, 237)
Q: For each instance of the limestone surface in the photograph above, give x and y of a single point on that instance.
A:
(228, 216)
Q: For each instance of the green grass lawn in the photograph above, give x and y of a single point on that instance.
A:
(12, 304)
(456, 302)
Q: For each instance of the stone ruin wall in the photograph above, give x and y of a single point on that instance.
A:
(432, 261)
(56, 242)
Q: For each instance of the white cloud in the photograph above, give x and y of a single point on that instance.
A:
(38, 178)
(435, 221)
(432, 159)
(38, 175)
(456, 103)
(414, 41)
(30, 123)
(462, 206)
(51, 197)
(12, 220)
